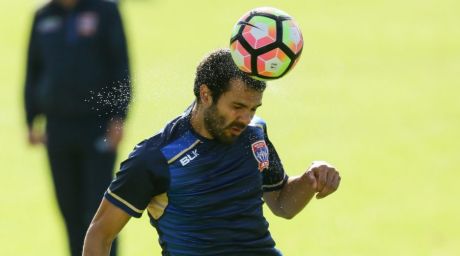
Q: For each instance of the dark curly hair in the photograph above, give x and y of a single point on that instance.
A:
(216, 70)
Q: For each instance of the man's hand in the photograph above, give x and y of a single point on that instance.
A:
(323, 178)
(36, 137)
(114, 133)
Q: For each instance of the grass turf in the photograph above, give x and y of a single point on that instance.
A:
(375, 93)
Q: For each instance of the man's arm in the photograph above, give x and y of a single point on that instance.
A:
(118, 63)
(320, 178)
(33, 72)
(107, 223)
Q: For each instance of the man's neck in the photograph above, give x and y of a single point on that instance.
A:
(197, 122)
(67, 4)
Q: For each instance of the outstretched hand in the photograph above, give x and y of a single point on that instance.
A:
(323, 178)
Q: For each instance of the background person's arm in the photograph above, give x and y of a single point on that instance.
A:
(34, 67)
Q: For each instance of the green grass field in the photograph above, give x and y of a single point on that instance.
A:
(376, 92)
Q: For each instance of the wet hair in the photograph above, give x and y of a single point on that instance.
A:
(216, 70)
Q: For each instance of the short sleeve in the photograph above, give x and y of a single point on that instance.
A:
(274, 177)
(141, 177)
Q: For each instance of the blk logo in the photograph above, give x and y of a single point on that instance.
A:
(189, 157)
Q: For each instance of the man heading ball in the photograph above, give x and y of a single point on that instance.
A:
(204, 178)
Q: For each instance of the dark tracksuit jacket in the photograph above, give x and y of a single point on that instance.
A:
(73, 56)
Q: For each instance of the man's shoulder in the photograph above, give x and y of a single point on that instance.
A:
(143, 151)
(170, 132)
(44, 9)
(258, 122)
(105, 5)
(146, 155)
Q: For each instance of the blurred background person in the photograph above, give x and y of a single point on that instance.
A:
(77, 77)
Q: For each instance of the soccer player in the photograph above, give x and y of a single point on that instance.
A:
(204, 178)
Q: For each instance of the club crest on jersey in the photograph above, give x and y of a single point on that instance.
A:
(87, 24)
(260, 151)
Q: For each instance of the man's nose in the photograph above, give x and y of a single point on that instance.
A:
(245, 118)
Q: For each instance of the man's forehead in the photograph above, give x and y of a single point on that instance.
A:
(239, 84)
(239, 91)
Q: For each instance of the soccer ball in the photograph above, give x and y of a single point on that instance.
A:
(266, 43)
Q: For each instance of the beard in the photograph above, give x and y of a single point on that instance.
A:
(216, 125)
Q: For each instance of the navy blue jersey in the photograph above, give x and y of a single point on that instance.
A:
(202, 196)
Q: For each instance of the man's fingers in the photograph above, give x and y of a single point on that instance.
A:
(321, 177)
(115, 134)
(336, 181)
(36, 138)
(326, 176)
(44, 139)
(331, 173)
(331, 186)
(325, 192)
(312, 180)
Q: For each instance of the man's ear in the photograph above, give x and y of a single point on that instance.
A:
(205, 95)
